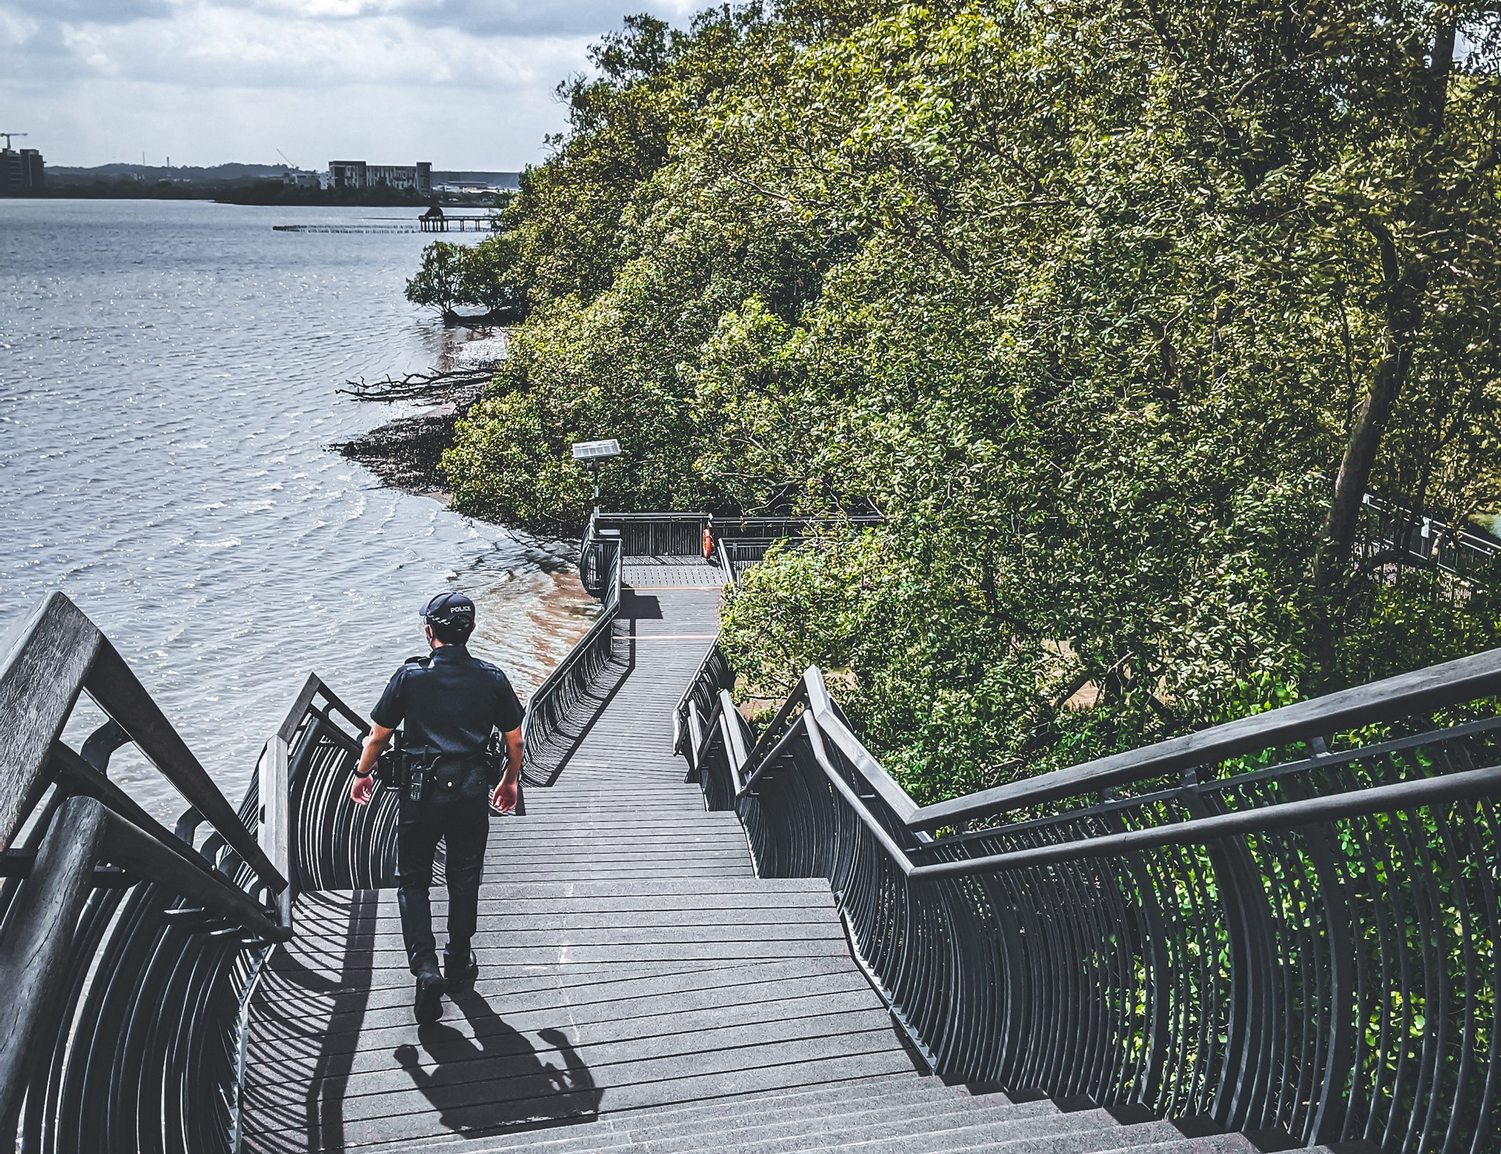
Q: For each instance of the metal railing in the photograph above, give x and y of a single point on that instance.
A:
(769, 529)
(560, 698)
(1246, 924)
(1413, 539)
(712, 676)
(594, 554)
(127, 951)
(130, 951)
(736, 554)
(311, 759)
(655, 534)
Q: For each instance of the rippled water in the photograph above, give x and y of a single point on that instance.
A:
(168, 377)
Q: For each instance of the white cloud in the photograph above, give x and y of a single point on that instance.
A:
(464, 83)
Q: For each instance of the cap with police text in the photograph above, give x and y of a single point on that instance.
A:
(451, 609)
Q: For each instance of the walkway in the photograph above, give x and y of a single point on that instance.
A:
(630, 958)
(641, 991)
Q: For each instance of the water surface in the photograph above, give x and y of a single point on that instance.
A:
(168, 395)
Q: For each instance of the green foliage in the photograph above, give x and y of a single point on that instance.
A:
(488, 279)
(439, 283)
(1090, 299)
(481, 275)
(509, 436)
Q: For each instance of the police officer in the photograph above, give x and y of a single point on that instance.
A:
(450, 702)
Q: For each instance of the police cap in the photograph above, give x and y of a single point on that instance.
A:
(450, 610)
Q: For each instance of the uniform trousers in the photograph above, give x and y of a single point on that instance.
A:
(459, 815)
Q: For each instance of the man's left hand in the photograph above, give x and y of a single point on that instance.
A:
(503, 800)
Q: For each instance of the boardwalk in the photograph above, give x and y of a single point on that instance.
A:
(630, 960)
(641, 990)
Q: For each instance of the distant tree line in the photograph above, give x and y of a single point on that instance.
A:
(1116, 309)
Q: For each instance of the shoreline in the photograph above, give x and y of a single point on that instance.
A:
(404, 452)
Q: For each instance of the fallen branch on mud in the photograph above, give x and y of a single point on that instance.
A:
(461, 387)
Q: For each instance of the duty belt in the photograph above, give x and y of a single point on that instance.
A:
(422, 771)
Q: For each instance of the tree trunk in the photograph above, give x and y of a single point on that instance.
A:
(1403, 283)
(1403, 317)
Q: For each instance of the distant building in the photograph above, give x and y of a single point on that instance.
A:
(302, 179)
(359, 174)
(477, 183)
(22, 173)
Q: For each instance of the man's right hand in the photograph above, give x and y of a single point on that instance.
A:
(363, 787)
(503, 800)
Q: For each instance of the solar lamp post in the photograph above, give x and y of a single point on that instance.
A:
(592, 454)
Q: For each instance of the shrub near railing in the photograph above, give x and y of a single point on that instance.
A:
(1310, 948)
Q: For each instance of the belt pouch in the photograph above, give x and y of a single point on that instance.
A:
(417, 780)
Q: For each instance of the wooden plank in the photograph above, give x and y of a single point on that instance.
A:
(630, 1022)
(288, 991)
(275, 834)
(46, 657)
(641, 1000)
(527, 1086)
(499, 919)
(625, 1043)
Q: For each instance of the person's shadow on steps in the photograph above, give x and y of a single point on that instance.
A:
(497, 1080)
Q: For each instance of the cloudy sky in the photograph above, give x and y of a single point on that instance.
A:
(466, 84)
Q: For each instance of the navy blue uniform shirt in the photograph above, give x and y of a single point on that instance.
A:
(449, 704)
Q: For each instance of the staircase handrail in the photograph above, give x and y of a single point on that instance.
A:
(47, 661)
(124, 943)
(956, 933)
(1419, 691)
(551, 702)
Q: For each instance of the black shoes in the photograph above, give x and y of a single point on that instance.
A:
(457, 978)
(428, 1005)
(460, 975)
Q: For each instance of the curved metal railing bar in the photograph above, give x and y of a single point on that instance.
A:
(1310, 948)
(333, 844)
(713, 674)
(1420, 691)
(557, 701)
(127, 950)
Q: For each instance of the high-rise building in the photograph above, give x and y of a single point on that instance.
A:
(22, 172)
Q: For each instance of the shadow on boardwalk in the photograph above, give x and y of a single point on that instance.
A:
(586, 709)
(496, 1080)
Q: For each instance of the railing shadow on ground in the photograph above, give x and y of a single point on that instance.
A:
(305, 1010)
(1287, 925)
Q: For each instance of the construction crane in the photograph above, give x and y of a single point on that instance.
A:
(8, 135)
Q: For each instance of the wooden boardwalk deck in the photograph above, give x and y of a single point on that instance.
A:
(630, 960)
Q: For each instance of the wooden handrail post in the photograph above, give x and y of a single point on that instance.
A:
(276, 818)
(43, 663)
(39, 937)
(119, 693)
